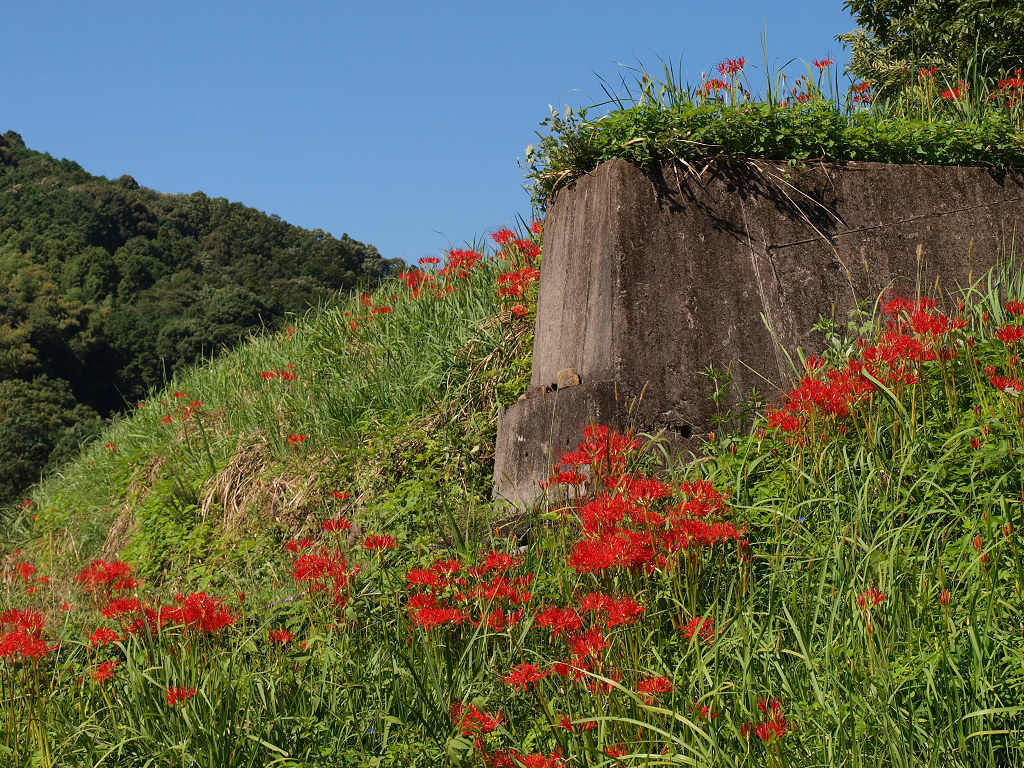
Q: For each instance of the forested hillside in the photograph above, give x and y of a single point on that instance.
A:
(107, 288)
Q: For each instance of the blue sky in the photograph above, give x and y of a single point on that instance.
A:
(400, 123)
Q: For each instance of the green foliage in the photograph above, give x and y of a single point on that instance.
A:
(964, 40)
(40, 425)
(112, 287)
(666, 121)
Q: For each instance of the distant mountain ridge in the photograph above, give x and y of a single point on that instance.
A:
(108, 287)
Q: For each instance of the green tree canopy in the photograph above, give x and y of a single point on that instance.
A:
(961, 38)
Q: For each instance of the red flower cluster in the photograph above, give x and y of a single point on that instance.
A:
(700, 627)
(378, 543)
(774, 727)
(871, 597)
(324, 572)
(282, 636)
(515, 283)
(179, 695)
(459, 263)
(475, 722)
(22, 641)
(284, 375)
(103, 579)
(486, 589)
(732, 66)
(524, 675)
(916, 332)
(196, 611)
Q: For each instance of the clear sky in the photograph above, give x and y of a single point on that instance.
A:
(400, 123)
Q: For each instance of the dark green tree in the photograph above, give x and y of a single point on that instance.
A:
(35, 418)
(961, 38)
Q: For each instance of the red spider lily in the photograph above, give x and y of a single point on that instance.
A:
(339, 495)
(100, 576)
(102, 636)
(516, 283)
(786, 421)
(520, 310)
(524, 675)
(23, 571)
(731, 66)
(1010, 334)
(870, 597)
(559, 620)
(459, 263)
(294, 440)
(595, 601)
(415, 280)
(704, 711)
(503, 236)
(775, 727)
(822, 63)
(500, 621)
(429, 261)
(21, 645)
(430, 617)
(24, 619)
(603, 450)
(714, 84)
(197, 610)
(622, 611)
(1004, 383)
(322, 571)
(418, 576)
(475, 722)
(703, 628)
(1014, 307)
(121, 607)
(589, 643)
(377, 543)
(944, 597)
(282, 636)
(498, 562)
(653, 685)
(336, 524)
(567, 723)
(179, 695)
(979, 546)
(295, 545)
(502, 588)
(597, 686)
(509, 758)
(616, 750)
(105, 670)
(446, 568)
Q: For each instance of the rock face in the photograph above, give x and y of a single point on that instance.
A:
(650, 277)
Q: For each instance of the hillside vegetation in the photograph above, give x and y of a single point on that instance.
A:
(289, 558)
(107, 288)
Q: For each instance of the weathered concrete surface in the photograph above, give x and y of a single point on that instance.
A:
(648, 278)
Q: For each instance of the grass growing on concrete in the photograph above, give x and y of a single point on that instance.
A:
(807, 119)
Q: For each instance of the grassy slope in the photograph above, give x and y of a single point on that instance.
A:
(395, 407)
(911, 488)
